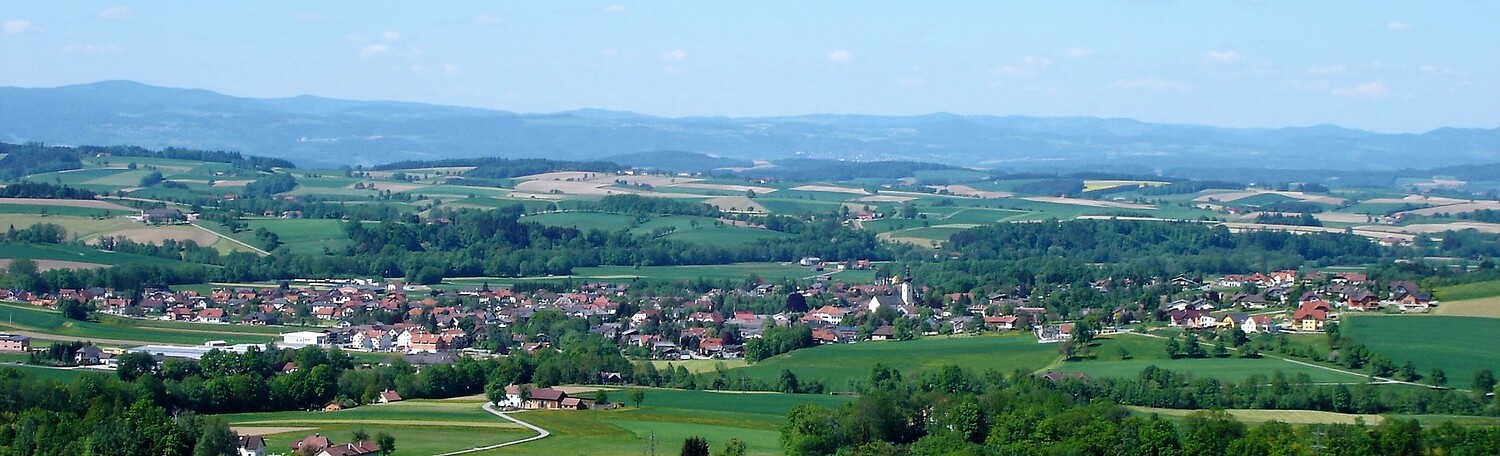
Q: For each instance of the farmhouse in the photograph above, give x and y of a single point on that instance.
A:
(1311, 316)
(251, 445)
(162, 216)
(542, 399)
(11, 343)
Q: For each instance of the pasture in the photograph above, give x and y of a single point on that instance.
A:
(33, 319)
(583, 220)
(64, 375)
(1458, 345)
(85, 227)
(1261, 416)
(669, 417)
(738, 271)
(1467, 291)
(840, 366)
(1482, 307)
(1149, 351)
(299, 235)
(69, 252)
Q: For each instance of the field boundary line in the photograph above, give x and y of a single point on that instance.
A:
(236, 241)
(540, 433)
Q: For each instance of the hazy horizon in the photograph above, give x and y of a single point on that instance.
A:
(1383, 67)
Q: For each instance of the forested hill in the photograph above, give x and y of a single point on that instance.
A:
(327, 132)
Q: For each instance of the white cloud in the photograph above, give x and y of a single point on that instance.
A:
(114, 12)
(840, 56)
(90, 49)
(486, 19)
(1330, 69)
(17, 26)
(1430, 69)
(391, 37)
(374, 50)
(1223, 56)
(616, 9)
(1148, 84)
(675, 55)
(1372, 89)
(1079, 53)
(1026, 67)
(1398, 26)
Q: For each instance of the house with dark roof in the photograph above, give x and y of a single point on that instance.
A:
(251, 445)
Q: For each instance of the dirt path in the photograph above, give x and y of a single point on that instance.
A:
(540, 434)
(236, 241)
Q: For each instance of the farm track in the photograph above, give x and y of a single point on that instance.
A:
(230, 239)
(540, 434)
(1378, 380)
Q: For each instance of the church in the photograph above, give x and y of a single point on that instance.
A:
(900, 301)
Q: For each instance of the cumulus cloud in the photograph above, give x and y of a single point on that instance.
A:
(1223, 56)
(486, 19)
(17, 26)
(1026, 67)
(675, 55)
(1079, 53)
(90, 49)
(1372, 89)
(840, 56)
(1330, 69)
(1398, 26)
(1148, 84)
(374, 50)
(1430, 69)
(114, 12)
(616, 9)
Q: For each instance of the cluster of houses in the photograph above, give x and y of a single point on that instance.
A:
(1325, 296)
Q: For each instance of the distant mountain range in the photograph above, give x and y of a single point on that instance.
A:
(313, 131)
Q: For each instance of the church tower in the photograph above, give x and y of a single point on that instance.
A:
(906, 294)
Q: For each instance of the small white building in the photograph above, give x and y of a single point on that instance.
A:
(303, 338)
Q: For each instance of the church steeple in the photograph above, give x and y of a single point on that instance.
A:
(906, 294)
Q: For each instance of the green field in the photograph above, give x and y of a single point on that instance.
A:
(45, 209)
(738, 271)
(85, 227)
(839, 365)
(47, 373)
(1261, 416)
(583, 220)
(1474, 290)
(669, 416)
(299, 235)
(28, 318)
(1149, 351)
(69, 252)
(1458, 345)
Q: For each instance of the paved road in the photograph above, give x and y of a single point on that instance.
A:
(540, 433)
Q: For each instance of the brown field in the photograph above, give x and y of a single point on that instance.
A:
(1482, 307)
(1341, 217)
(885, 199)
(1456, 208)
(1370, 231)
(654, 181)
(1088, 202)
(1417, 199)
(157, 234)
(831, 189)
(560, 175)
(964, 190)
(45, 265)
(727, 187)
(92, 204)
(540, 196)
(1493, 228)
(570, 187)
(1285, 416)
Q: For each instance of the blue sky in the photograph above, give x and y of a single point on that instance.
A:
(1384, 66)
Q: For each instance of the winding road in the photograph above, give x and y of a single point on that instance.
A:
(540, 433)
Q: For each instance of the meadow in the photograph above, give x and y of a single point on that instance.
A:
(1458, 345)
(69, 252)
(1261, 416)
(421, 427)
(299, 235)
(28, 318)
(840, 366)
(1467, 291)
(1148, 351)
(47, 373)
(737, 271)
(1481, 307)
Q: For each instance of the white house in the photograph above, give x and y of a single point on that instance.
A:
(371, 340)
